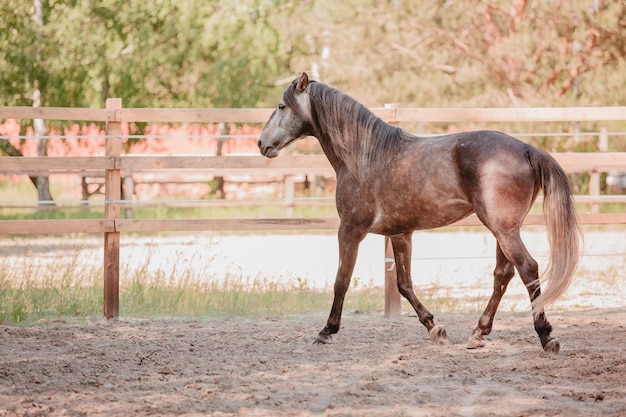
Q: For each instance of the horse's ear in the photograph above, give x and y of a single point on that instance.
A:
(303, 81)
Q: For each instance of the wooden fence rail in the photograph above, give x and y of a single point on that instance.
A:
(114, 163)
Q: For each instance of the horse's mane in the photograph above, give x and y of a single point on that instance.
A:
(357, 136)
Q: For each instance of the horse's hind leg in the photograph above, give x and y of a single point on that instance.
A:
(402, 248)
(502, 275)
(515, 251)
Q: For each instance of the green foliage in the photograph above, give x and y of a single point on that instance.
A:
(190, 53)
(18, 63)
(152, 53)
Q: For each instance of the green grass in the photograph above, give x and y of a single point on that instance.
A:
(207, 212)
(76, 212)
(32, 289)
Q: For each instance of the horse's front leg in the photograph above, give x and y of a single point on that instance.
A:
(349, 241)
(402, 249)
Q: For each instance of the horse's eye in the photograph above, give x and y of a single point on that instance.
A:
(281, 106)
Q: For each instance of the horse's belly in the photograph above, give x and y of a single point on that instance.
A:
(431, 220)
(401, 219)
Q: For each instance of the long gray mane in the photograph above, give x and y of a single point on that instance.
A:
(357, 136)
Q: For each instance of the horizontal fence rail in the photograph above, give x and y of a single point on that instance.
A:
(285, 164)
(113, 165)
(34, 227)
(388, 114)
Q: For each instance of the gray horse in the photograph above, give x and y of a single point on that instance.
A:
(391, 183)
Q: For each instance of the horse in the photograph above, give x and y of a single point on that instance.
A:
(392, 183)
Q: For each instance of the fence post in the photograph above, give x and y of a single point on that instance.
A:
(112, 197)
(393, 307)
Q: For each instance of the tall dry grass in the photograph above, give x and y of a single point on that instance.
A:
(36, 288)
(32, 289)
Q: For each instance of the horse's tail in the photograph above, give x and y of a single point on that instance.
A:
(562, 226)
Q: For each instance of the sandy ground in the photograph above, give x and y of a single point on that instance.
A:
(375, 366)
(266, 367)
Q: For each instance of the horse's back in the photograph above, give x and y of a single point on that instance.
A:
(480, 145)
(471, 158)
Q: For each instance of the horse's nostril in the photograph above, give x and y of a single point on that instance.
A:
(259, 143)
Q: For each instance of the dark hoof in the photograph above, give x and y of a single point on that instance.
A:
(323, 338)
(553, 346)
(439, 335)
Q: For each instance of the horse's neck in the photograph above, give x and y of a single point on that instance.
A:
(350, 139)
(335, 160)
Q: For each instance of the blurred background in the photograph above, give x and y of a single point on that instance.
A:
(189, 53)
(242, 54)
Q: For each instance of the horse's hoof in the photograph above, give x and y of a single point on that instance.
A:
(439, 335)
(474, 343)
(553, 346)
(325, 339)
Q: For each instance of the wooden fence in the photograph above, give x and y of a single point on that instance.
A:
(113, 163)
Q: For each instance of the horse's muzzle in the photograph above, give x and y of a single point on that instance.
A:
(268, 151)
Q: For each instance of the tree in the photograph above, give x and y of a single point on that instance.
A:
(170, 53)
(25, 68)
(151, 53)
(472, 53)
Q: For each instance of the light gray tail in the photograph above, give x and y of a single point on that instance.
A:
(562, 226)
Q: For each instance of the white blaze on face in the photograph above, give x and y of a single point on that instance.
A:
(284, 125)
(273, 134)
(273, 122)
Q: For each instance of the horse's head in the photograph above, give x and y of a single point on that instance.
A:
(290, 121)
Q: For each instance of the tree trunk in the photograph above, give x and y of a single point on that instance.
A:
(42, 182)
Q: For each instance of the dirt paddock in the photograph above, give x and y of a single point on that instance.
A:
(270, 367)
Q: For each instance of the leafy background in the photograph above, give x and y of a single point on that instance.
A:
(191, 53)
